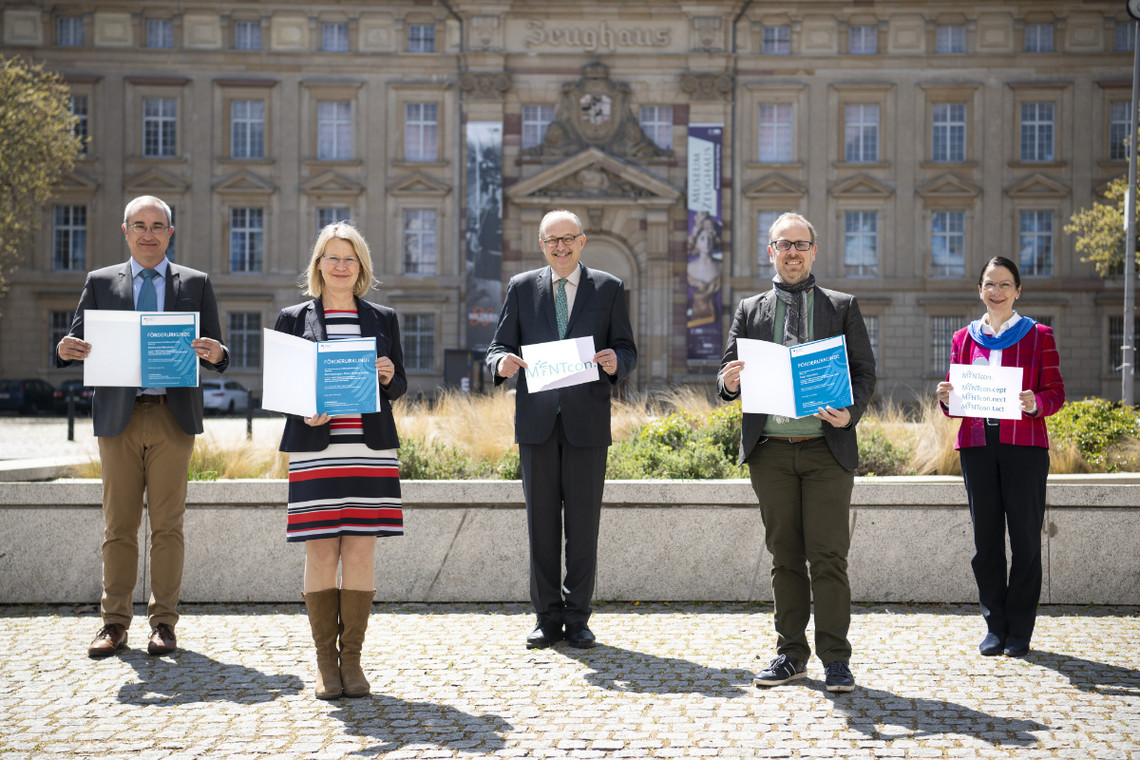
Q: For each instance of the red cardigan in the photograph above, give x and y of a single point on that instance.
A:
(1037, 354)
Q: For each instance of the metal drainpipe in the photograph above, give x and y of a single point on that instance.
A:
(460, 163)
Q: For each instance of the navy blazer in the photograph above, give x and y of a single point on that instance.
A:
(834, 314)
(528, 317)
(186, 290)
(307, 320)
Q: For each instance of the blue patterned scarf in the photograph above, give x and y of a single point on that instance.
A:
(1019, 330)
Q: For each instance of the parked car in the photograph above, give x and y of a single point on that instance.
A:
(224, 396)
(82, 394)
(26, 396)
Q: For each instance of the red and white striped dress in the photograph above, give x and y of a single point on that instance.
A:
(348, 489)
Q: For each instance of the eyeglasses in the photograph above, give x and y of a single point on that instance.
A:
(155, 229)
(1004, 287)
(566, 240)
(786, 245)
(336, 261)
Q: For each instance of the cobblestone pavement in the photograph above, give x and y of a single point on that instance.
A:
(668, 681)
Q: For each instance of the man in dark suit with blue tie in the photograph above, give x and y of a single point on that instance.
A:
(563, 433)
(145, 435)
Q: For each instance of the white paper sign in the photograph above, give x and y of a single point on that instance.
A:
(984, 391)
(116, 345)
(559, 363)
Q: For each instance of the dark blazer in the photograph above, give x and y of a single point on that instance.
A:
(307, 320)
(528, 317)
(186, 290)
(834, 314)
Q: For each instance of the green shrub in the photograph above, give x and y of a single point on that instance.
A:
(420, 460)
(1093, 425)
(680, 445)
(878, 456)
(722, 428)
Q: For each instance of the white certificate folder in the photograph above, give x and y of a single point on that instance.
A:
(119, 339)
(794, 381)
(306, 378)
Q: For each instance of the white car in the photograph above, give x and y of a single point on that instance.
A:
(224, 396)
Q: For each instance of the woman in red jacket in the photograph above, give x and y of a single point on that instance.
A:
(1005, 462)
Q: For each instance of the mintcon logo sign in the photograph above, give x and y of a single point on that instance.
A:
(598, 37)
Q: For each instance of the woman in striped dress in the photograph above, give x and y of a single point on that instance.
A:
(344, 477)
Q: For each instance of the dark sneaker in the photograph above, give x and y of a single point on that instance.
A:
(839, 677)
(991, 645)
(780, 670)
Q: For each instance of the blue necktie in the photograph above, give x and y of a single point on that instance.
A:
(561, 313)
(148, 298)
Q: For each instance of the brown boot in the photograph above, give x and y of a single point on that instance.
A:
(355, 607)
(323, 608)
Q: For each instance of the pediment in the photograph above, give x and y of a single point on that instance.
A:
(1037, 186)
(948, 186)
(155, 182)
(331, 184)
(861, 186)
(593, 174)
(1102, 189)
(775, 185)
(418, 183)
(76, 182)
(245, 181)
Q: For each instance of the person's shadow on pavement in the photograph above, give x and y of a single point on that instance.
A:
(397, 723)
(618, 669)
(186, 677)
(884, 716)
(1087, 675)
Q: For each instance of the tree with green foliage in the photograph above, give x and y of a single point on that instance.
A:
(1099, 231)
(37, 146)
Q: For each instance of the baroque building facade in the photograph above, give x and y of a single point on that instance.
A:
(920, 138)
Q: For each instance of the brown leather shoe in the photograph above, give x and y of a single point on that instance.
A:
(110, 639)
(162, 640)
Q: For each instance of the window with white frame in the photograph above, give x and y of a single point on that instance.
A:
(247, 35)
(69, 31)
(950, 39)
(535, 120)
(160, 33)
(334, 130)
(657, 124)
(764, 222)
(1119, 122)
(775, 128)
(777, 40)
(863, 40)
(247, 239)
(1037, 132)
(247, 129)
(160, 127)
(334, 38)
(327, 215)
(1035, 243)
(59, 325)
(948, 132)
(243, 339)
(421, 131)
(861, 243)
(1115, 351)
(948, 244)
(418, 338)
(80, 127)
(1038, 38)
(861, 132)
(421, 38)
(942, 331)
(872, 323)
(420, 252)
(69, 238)
(1125, 41)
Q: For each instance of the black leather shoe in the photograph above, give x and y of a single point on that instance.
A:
(1016, 646)
(579, 636)
(543, 636)
(991, 645)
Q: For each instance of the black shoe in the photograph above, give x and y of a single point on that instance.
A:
(543, 636)
(839, 677)
(1017, 646)
(579, 636)
(991, 645)
(781, 670)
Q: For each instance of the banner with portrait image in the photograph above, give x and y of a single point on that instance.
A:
(705, 251)
(483, 231)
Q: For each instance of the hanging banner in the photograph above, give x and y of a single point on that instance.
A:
(483, 231)
(705, 264)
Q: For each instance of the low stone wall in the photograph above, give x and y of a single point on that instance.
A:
(660, 540)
